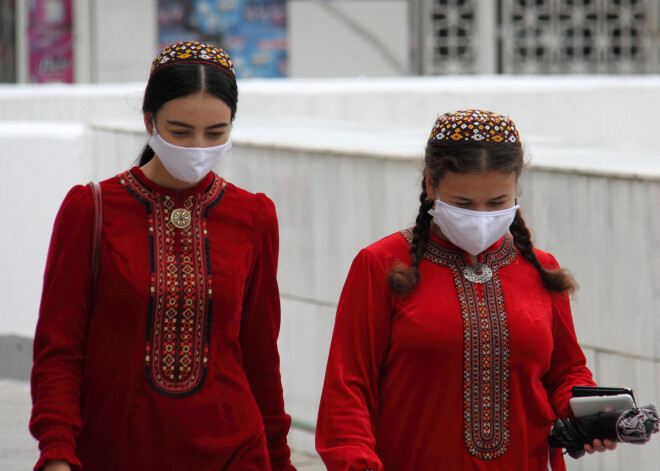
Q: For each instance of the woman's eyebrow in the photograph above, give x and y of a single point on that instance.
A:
(219, 125)
(179, 123)
(461, 198)
(190, 126)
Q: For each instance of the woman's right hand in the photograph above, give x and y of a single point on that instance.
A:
(57, 465)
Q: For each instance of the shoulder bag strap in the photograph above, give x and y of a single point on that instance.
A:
(96, 235)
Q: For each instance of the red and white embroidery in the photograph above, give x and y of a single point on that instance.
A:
(178, 325)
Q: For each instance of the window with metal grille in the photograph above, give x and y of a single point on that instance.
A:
(540, 36)
(453, 25)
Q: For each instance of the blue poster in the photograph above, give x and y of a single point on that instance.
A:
(253, 32)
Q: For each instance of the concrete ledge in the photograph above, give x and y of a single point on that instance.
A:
(16, 354)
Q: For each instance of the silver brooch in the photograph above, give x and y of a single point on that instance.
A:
(180, 218)
(477, 273)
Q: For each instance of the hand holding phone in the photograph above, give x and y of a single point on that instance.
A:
(588, 400)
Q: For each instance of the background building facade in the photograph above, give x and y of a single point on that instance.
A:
(80, 40)
(539, 37)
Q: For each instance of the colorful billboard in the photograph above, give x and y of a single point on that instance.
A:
(50, 40)
(253, 32)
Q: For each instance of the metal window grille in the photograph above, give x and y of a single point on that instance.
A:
(453, 34)
(453, 25)
(577, 36)
(539, 36)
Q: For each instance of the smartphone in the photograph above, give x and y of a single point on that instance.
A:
(588, 400)
(583, 391)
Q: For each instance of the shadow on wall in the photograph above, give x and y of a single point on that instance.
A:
(15, 357)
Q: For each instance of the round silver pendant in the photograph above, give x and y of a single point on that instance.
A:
(180, 218)
(477, 273)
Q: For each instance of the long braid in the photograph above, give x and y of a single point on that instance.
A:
(401, 278)
(554, 280)
(420, 232)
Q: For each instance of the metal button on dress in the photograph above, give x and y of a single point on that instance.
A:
(477, 273)
(180, 218)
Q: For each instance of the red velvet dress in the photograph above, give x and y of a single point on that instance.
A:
(174, 364)
(457, 375)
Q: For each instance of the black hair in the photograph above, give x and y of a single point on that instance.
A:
(439, 160)
(183, 79)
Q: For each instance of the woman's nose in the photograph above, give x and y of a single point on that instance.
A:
(198, 140)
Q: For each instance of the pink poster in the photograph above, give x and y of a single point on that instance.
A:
(50, 38)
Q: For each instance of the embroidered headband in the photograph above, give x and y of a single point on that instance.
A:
(475, 128)
(194, 53)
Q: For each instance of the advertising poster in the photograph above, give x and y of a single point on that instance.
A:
(253, 32)
(50, 39)
(7, 42)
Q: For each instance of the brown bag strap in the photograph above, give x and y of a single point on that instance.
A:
(96, 235)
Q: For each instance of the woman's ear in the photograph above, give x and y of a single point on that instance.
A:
(148, 122)
(430, 188)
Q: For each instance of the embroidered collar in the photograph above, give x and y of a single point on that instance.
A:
(443, 244)
(202, 187)
(445, 253)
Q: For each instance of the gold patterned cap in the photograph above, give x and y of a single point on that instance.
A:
(194, 53)
(473, 127)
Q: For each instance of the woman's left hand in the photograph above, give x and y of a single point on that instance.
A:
(600, 446)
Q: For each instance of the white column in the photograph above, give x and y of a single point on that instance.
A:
(22, 47)
(651, 43)
(487, 37)
(122, 25)
(427, 40)
(82, 41)
(416, 37)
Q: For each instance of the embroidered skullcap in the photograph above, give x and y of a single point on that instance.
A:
(194, 53)
(473, 127)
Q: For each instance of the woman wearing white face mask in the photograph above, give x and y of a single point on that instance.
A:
(165, 356)
(454, 345)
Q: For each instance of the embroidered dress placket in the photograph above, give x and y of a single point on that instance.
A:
(178, 326)
(485, 348)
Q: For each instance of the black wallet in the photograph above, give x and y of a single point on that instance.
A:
(587, 391)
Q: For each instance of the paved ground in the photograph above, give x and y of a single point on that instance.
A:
(18, 450)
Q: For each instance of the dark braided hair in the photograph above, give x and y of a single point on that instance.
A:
(401, 278)
(438, 161)
(554, 280)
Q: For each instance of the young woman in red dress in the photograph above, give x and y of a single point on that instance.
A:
(454, 346)
(173, 363)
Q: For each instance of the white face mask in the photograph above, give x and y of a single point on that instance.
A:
(188, 164)
(473, 231)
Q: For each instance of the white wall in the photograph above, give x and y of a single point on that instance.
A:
(347, 38)
(601, 111)
(39, 162)
(71, 103)
(596, 111)
(340, 184)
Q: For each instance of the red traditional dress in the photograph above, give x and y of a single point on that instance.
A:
(457, 375)
(174, 364)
